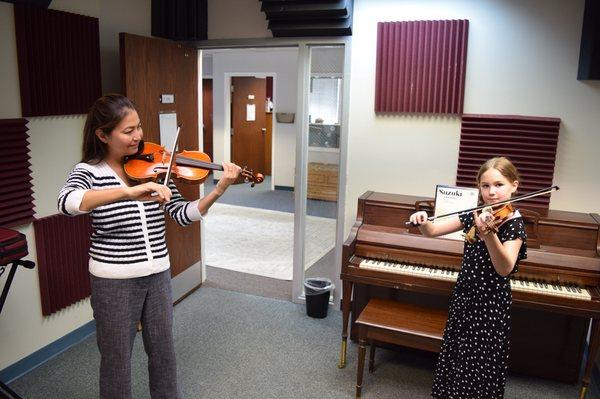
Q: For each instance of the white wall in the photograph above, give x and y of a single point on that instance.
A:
(522, 60)
(282, 63)
(236, 19)
(55, 147)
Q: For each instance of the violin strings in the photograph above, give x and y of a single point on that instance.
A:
(198, 163)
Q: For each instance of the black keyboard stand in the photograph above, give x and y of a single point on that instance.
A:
(5, 391)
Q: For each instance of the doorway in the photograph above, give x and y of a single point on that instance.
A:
(250, 127)
(249, 231)
(286, 191)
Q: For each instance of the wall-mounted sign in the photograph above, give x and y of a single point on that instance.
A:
(167, 98)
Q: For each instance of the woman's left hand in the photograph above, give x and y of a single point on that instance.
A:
(231, 172)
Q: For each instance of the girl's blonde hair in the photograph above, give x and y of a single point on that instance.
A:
(502, 165)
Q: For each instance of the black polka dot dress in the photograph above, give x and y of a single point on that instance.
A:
(474, 356)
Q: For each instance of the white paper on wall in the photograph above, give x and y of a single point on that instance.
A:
(167, 123)
(250, 112)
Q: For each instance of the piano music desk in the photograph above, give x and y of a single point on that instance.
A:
(397, 323)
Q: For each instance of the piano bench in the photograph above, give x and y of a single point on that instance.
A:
(397, 323)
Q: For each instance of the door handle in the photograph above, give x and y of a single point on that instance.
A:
(264, 129)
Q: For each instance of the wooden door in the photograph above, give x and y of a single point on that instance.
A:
(249, 131)
(151, 67)
(207, 116)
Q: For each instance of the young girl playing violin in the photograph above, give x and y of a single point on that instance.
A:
(473, 359)
(129, 262)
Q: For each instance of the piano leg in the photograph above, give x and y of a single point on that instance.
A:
(362, 344)
(592, 352)
(372, 358)
(346, 298)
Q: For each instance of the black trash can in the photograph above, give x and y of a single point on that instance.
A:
(317, 291)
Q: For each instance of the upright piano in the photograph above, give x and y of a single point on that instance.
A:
(556, 296)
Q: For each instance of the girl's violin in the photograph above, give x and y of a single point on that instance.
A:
(152, 160)
(499, 215)
(500, 211)
(533, 194)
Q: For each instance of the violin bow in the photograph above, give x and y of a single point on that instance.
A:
(543, 191)
(172, 160)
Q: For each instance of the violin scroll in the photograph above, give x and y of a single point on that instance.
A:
(250, 177)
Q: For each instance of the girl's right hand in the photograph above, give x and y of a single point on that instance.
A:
(149, 192)
(418, 218)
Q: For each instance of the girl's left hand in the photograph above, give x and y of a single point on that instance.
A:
(482, 220)
(231, 172)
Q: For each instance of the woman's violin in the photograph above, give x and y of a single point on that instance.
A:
(151, 163)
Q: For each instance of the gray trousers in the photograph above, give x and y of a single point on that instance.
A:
(118, 304)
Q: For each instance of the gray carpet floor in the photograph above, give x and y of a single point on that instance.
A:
(235, 345)
(261, 196)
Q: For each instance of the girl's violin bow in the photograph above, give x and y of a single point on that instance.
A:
(543, 191)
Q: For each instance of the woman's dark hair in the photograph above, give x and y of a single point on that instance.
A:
(106, 113)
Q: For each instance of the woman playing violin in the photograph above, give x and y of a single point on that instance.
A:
(473, 359)
(129, 262)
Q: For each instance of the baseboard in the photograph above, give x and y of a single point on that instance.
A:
(49, 351)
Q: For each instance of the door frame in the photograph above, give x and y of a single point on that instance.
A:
(342, 225)
(227, 125)
(304, 64)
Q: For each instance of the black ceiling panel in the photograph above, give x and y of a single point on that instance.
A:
(335, 9)
(180, 19)
(39, 3)
(301, 18)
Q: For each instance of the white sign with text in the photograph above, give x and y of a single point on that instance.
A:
(450, 199)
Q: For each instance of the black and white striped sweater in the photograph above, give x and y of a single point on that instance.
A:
(129, 236)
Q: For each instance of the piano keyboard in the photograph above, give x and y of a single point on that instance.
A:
(537, 287)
